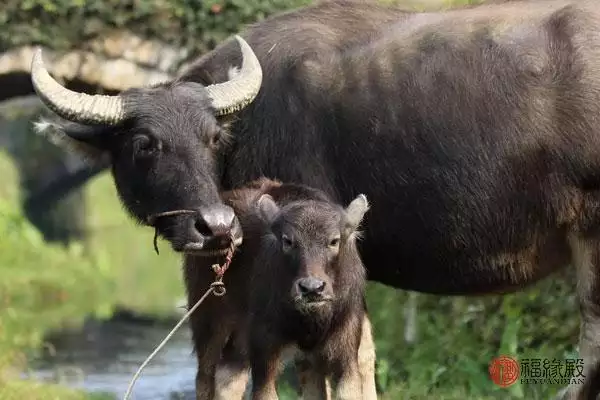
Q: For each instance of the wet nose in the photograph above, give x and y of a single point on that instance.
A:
(310, 286)
(217, 220)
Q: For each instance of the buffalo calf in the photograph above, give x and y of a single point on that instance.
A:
(295, 286)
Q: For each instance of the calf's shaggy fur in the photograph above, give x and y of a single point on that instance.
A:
(296, 283)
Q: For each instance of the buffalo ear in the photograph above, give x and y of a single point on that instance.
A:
(355, 212)
(88, 142)
(268, 208)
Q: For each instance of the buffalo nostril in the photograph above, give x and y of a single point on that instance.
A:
(202, 228)
(311, 286)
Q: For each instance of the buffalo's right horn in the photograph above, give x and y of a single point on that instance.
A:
(70, 105)
(235, 94)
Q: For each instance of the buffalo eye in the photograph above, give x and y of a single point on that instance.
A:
(334, 242)
(143, 145)
(287, 242)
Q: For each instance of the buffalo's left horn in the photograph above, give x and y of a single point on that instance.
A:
(235, 94)
(73, 106)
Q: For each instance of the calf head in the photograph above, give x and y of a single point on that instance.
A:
(316, 255)
(162, 144)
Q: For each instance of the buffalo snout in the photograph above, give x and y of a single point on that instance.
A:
(215, 227)
(217, 220)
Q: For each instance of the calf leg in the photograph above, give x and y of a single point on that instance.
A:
(265, 354)
(345, 369)
(314, 384)
(348, 380)
(366, 361)
(586, 257)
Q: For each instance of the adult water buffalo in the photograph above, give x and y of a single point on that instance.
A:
(474, 133)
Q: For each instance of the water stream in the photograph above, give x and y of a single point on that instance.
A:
(103, 357)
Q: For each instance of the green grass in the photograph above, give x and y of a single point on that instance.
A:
(31, 390)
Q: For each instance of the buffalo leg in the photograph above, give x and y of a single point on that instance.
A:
(232, 373)
(586, 257)
(210, 332)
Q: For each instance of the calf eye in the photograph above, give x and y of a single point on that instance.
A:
(142, 145)
(335, 242)
(286, 242)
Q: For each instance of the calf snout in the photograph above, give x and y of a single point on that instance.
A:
(312, 290)
(310, 286)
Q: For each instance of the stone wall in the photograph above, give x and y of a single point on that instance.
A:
(115, 62)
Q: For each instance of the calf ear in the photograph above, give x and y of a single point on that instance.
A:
(267, 207)
(80, 139)
(356, 211)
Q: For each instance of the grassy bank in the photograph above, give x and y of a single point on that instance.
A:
(29, 390)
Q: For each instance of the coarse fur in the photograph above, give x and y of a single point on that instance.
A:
(291, 233)
(475, 134)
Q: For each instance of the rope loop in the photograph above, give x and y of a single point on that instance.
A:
(218, 288)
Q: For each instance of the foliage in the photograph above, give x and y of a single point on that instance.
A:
(194, 24)
(458, 337)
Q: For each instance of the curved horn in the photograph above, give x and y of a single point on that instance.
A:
(235, 94)
(73, 106)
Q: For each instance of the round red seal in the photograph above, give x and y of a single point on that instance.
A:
(504, 371)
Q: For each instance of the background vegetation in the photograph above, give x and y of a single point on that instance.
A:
(197, 25)
(44, 287)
